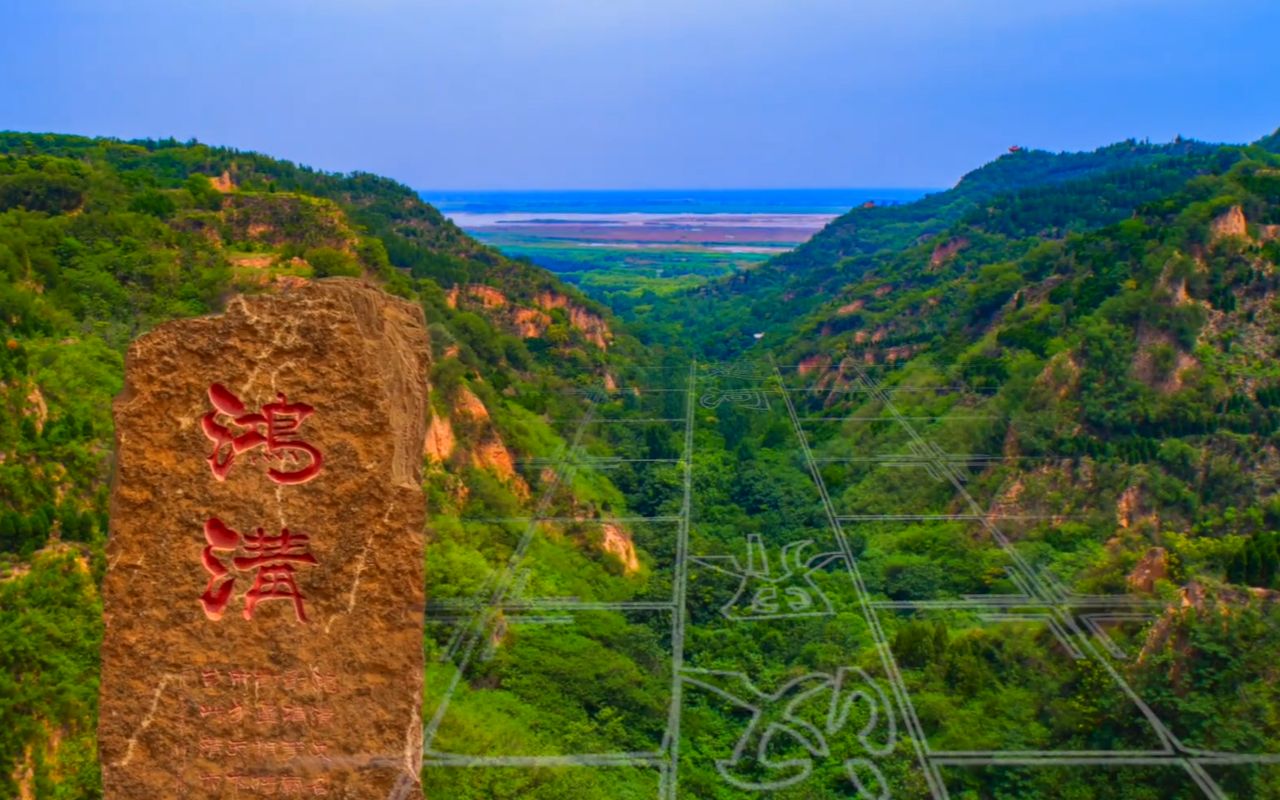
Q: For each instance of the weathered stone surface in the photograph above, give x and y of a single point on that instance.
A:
(197, 700)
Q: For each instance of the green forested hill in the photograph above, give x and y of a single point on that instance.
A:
(1158, 334)
(1135, 369)
(1150, 344)
(1087, 363)
(1024, 433)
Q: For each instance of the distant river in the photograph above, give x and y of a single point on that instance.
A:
(609, 241)
(769, 218)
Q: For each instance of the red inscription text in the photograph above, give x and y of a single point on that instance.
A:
(271, 559)
(234, 431)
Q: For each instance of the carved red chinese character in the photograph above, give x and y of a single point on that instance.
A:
(273, 557)
(275, 430)
(270, 558)
(217, 593)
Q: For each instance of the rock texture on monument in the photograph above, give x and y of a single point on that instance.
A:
(264, 590)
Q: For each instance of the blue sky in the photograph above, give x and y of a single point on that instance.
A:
(489, 94)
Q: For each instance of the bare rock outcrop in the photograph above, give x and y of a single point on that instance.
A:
(1152, 567)
(592, 326)
(1229, 223)
(947, 250)
(617, 541)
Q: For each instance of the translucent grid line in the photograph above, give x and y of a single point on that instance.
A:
(1046, 599)
(1173, 746)
(669, 779)
(936, 787)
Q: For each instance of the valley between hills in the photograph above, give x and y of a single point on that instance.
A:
(989, 511)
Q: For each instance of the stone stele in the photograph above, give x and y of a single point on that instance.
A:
(264, 588)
